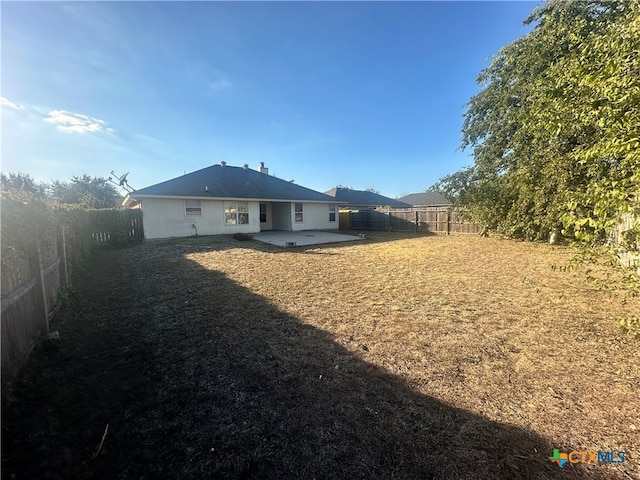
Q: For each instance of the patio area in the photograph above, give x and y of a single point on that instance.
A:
(304, 238)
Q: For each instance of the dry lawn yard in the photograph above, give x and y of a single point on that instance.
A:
(394, 357)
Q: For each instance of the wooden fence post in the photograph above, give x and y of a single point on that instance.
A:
(64, 257)
(43, 288)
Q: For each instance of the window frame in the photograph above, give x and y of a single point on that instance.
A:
(298, 213)
(192, 208)
(263, 215)
(332, 212)
(236, 213)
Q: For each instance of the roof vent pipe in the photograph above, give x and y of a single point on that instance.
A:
(223, 163)
(246, 166)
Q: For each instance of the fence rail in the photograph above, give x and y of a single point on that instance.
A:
(440, 220)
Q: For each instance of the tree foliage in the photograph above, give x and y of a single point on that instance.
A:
(555, 127)
(455, 185)
(83, 191)
(86, 191)
(22, 182)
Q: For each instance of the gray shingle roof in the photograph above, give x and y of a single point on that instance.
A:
(363, 198)
(425, 199)
(219, 181)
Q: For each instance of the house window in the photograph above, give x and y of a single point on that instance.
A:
(263, 213)
(298, 213)
(332, 213)
(236, 213)
(192, 207)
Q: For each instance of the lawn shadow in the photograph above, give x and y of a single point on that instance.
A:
(198, 377)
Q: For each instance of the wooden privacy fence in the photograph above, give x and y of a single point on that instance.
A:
(116, 228)
(29, 294)
(344, 220)
(44, 248)
(441, 220)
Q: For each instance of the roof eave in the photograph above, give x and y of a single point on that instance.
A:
(245, 199)
(129, 201)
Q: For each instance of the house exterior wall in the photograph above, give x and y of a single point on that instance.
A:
(315, 216)
(164, 218)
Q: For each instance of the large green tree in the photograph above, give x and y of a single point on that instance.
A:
(87, 191)
(555, 127)
(24, 182)
(455, 185)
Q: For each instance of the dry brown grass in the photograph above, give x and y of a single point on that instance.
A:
(486, 325)
(394, 357)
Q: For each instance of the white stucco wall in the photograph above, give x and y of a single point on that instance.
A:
(164, 218)
(315, 216)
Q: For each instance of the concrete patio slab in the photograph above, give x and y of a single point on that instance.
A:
(297, 239)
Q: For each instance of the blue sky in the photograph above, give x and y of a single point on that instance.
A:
(363, 94)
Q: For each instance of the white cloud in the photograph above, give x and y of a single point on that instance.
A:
(219, 84)
(6, 103)
(74, 122)
(218, 80)
(200, 73)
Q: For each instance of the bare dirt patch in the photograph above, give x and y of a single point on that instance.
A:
(395, 357)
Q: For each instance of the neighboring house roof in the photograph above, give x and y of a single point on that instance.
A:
(425, 199)
(225, 182)
(347, 196)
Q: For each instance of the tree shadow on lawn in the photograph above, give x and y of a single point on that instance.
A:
(198, 377)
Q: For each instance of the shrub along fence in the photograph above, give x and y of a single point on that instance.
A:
(44, 249)
(441, 220)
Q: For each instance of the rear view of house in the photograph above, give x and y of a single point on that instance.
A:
(221, 199)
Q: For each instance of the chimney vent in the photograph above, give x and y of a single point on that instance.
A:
(223, 163)
(263, 169)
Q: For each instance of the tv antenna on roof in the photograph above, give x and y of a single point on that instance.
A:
(121, 181)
